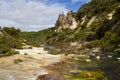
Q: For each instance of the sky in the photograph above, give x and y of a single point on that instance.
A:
(35, 15)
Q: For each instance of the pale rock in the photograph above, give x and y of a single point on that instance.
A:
(83, 19)
(91, 21)
(98, 57)
(110, 15)
(88, 60)
(65, 21)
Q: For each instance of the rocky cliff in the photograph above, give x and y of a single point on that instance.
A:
(66, 21)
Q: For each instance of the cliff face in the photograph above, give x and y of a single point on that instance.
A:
(66, 21)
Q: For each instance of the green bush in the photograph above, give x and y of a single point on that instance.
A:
(4, 49)
(12, 52)
(90, 36)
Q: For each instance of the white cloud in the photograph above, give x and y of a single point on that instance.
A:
(74, 1)
(29, 14)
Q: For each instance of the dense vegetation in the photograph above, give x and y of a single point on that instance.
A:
(103, 32)
(8, 40)
(37, 38)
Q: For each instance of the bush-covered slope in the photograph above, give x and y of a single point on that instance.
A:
(37, 38)
(9, 40)
(98, 22)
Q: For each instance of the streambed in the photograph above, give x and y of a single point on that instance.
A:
(37, 62)
(27, 65)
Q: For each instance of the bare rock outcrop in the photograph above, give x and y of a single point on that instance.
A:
(65, 21)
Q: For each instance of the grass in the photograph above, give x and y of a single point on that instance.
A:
(55, 52)
(18, 61)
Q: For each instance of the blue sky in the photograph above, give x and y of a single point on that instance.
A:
(70, 4)
(34, 15)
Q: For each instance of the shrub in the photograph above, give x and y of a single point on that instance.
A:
(4, 49)
(11, 52)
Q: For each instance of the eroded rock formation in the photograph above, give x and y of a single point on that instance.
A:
(66, 21)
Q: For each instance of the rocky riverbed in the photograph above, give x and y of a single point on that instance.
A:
(27, 65)
(38, 64)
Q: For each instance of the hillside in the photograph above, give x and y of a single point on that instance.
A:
(9, 41)
(37, 38)
(97, 23)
